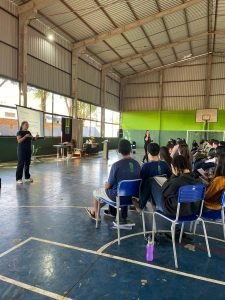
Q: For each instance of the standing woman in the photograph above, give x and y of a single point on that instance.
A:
(147, 140)
(24, 138)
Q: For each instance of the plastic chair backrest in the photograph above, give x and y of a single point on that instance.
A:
(128, 188)
(191, 193)
(223, 199)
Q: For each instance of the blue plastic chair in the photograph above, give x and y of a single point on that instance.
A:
(215, 215)
(126, 188)
(187, 194)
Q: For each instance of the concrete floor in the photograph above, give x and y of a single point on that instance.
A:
(50, 249)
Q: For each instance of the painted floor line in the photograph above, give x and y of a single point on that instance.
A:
(172, 271)
(63, 245)
(104, 247)
(33, 288)
(15, 247)
(184, 274)
(42, 206)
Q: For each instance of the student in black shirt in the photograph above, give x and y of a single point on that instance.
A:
(24, 138)
(166, 197)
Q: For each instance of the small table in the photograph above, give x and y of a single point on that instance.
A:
(60, 147)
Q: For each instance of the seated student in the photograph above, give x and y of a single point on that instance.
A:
(165, 197)
(195, 147)
(155, 167)
(182, 149)
(212, 145)
(222, 144)
(216, 187)
(125, 169)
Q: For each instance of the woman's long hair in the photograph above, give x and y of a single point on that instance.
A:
(220, 169)
(180, 163)
(185, 152)
(165, 155)
(23, 123)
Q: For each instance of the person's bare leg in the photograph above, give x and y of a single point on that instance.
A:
(93, 210)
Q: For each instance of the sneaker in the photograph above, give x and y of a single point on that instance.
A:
(107, 213)
(19, 181)
(29, 180)
(124, 222)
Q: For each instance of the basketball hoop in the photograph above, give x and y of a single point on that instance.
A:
(206, 118)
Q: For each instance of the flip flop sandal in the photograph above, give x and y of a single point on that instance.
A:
(91, 215)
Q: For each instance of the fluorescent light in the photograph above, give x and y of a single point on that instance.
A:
(50, 37)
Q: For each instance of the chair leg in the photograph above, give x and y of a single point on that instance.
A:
(98, 213)
(118, 224)
(181, 233)
(191, 227)
(206, 237)
(223, 220)
(153, 228)
(143, 222)
(173, 227)
(195, 227)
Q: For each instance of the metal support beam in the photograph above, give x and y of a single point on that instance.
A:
(155, 50)
(106, 35)
(34, 5)
(104, 74)
(208, 81)
(75, 58)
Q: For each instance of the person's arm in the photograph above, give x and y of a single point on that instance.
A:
(213, 189)
(21, 139)
(175, 149)
(111, 179)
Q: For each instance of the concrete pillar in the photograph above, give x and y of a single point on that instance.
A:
(23, 49)
(104, 74)
(76, 53)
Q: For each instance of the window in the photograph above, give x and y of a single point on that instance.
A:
(9, 98)
(112, 121)
(8, 121)
(57, 125)
(91, 116)
(48, 125)
(9, 92)
(62, 105)
(55, 107)
(39, 99)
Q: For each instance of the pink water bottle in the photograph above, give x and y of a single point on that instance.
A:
(149, 251)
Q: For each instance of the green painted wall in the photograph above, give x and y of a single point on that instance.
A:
(164, 126)
(8, 146)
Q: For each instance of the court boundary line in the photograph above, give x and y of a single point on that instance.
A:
(42, 206)
(98, 252)
(172, 271)
(33, 289)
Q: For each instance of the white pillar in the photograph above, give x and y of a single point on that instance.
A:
(75, 75)
(104, 74)
(23, 48)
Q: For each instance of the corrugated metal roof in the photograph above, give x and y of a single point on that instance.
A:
(85, 19)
